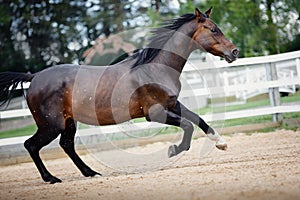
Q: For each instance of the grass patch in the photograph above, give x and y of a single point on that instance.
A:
(248, 120)
(28, 130)
(291, 98)
(250, 104)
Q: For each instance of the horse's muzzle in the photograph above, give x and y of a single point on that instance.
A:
(232, 56)
(235, 52)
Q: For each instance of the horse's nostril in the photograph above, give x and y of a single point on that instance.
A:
(235, 52)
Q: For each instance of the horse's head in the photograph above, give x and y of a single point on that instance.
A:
(210, 38)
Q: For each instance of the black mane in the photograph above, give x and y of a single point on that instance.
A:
(160, 37)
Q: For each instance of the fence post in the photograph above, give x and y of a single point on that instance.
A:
(274, 93)
(298, 66)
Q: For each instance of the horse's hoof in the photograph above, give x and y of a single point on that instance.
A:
(97, 175)
(52, 179)
(221, 144)
(172, 151)
(90, 173)
(56, 180)
(223, 147)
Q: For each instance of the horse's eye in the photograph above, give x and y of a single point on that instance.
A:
(213, 30)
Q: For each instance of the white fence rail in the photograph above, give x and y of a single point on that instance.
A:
(219, 78)
(245, 78)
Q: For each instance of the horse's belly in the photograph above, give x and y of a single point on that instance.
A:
(85, 114)
(84, 94)
(104, 97)
(100, 116)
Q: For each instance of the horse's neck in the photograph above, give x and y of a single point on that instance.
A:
(177, 50)
(171, 60)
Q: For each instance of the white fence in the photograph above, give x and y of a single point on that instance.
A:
(243, 78)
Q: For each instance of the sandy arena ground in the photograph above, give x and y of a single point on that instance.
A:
(259, 166)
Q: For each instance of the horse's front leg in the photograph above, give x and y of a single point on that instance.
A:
(158, 114)
(212, 134)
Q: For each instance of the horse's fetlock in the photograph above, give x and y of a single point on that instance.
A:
(187, 147)
(210, 131)
(184, 147)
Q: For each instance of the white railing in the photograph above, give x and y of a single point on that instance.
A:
(204, 73)
(245, 78)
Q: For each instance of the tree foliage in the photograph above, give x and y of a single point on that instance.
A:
(259, 27)
(38, 34)
(35, 34)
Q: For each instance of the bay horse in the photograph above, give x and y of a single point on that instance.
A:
(145, 84)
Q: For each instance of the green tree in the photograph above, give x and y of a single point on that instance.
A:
(37, 34)
(44, 33)
(258, 27)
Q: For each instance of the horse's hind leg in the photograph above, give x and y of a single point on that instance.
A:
(67, 143)
(34, 145)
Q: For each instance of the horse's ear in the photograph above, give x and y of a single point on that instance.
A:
(208, 12)
(199, 15)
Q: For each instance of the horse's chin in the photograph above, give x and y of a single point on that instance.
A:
(229, 59)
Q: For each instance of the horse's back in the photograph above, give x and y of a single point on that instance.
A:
(63, 76)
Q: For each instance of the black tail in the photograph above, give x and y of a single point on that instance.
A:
(9, 82)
